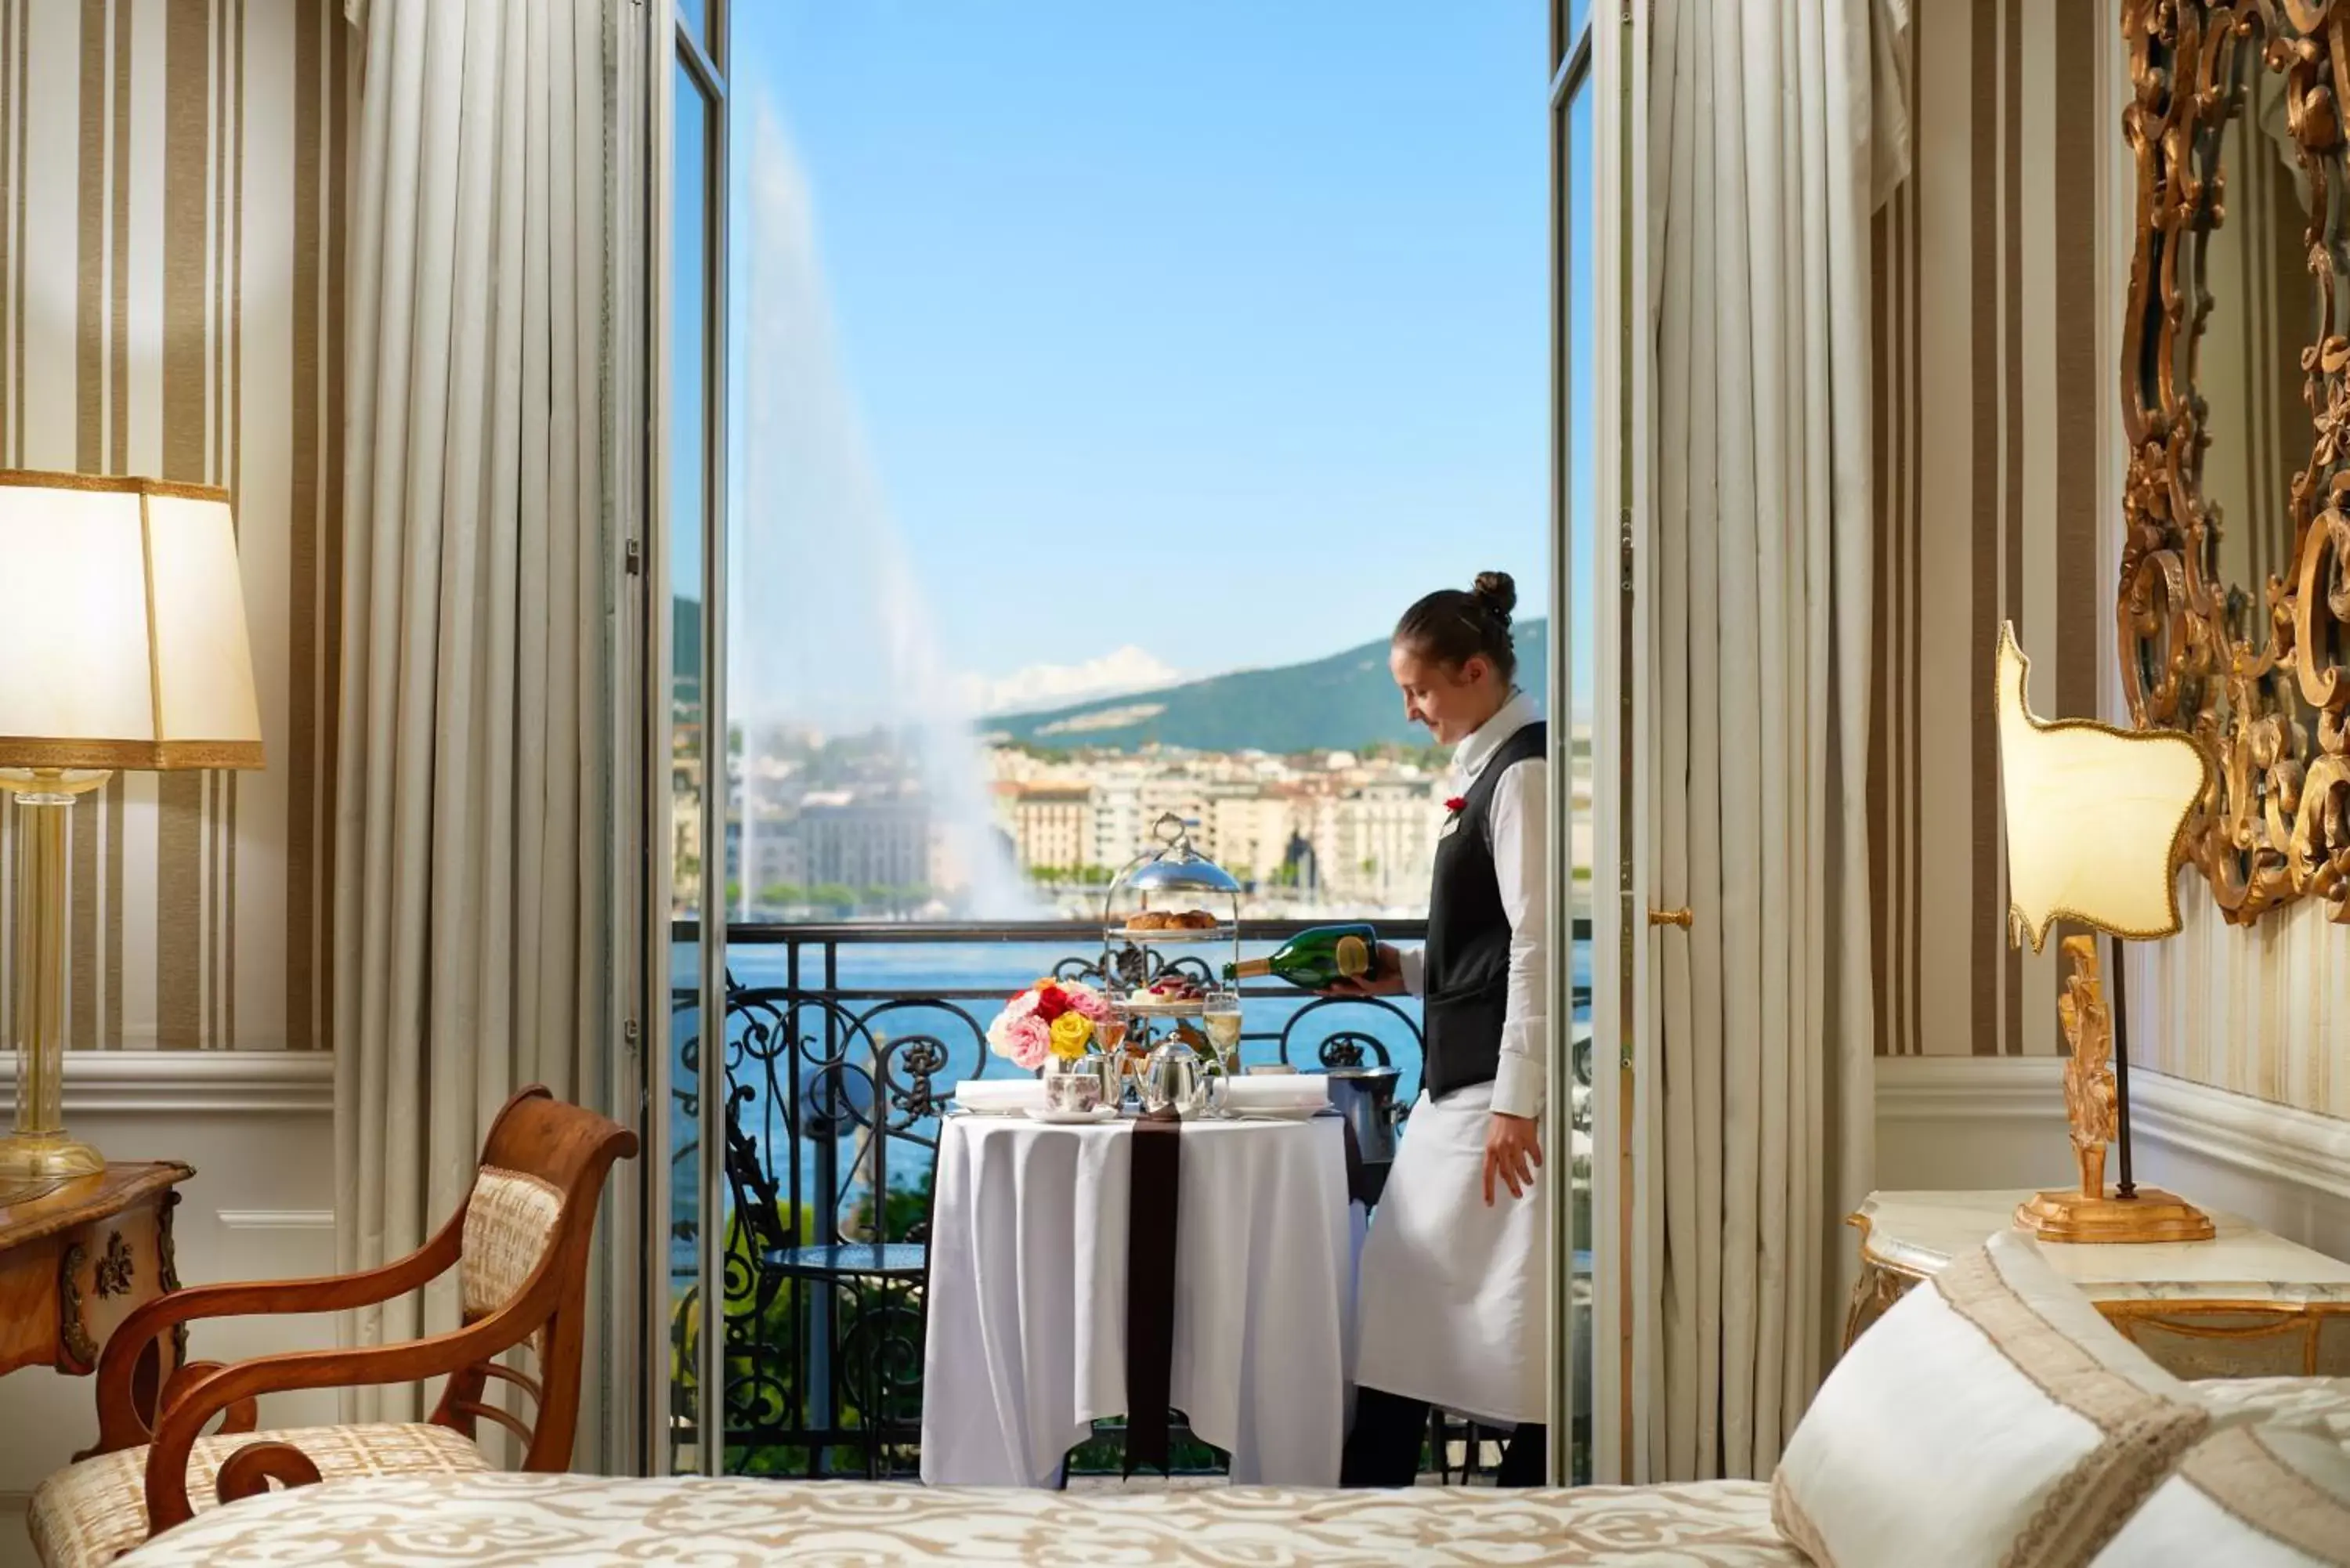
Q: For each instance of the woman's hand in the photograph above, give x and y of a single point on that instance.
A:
(1386, 978)
(1513, 1148)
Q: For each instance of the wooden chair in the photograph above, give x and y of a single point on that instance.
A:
(519, 1245)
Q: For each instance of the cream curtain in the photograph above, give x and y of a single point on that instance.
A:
(1768, 143)
(471, 944)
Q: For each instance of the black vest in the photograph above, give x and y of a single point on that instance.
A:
(1466, 964)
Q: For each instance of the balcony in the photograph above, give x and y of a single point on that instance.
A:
(840, 1040)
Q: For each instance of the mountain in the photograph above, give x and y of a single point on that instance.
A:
(1338, 703)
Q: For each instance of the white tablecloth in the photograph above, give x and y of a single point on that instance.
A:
(1027, 1303)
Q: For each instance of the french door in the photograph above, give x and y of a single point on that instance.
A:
(686, 1201)
(1601, 1251)
(1601, 1247)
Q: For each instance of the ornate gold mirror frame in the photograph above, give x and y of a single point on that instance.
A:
(2255, 672)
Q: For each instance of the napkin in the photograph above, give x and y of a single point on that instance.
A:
(1006, 1095)
(1284, 1090)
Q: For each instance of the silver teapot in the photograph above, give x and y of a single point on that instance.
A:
(1174, 1076)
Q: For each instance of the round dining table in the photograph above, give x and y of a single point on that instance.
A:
(1027, 1334)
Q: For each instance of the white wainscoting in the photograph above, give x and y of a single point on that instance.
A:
(1954, 1123)
(258, 1128)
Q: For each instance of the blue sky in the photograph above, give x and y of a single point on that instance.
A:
(1251, 295)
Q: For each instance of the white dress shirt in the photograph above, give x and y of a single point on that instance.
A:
(1519, 817)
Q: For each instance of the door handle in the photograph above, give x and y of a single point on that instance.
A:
(1680, 917)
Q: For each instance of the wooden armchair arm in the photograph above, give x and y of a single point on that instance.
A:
(120, 1423)
(176, 1429)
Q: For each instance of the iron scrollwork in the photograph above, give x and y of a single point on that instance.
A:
(831, 1101)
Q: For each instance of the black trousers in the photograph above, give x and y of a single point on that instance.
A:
(1383, 1450)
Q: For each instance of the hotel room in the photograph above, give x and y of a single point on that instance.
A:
(1792, 1010)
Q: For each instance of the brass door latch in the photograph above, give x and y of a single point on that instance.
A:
(1680, 917)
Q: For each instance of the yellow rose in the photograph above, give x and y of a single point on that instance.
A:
(1071, 1031)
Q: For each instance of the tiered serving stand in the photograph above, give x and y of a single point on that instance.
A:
(1173, 879)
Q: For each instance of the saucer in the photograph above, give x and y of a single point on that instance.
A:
(1071, 1118)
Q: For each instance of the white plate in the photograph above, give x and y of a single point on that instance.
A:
(1186, 1007)
(1071, 1118)
(1219, 933)
(1278, 1113)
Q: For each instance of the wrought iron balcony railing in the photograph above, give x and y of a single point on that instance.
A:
(840, 1040)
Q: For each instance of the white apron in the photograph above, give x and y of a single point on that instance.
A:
(1453, 1298)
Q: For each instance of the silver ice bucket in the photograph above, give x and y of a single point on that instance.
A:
(1365, 1097)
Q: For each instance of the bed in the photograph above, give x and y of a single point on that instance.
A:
(501, 1520)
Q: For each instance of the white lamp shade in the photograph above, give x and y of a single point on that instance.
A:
(122, 636)
(2095, 814)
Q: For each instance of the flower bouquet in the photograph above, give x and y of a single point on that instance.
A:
(1051, 1018)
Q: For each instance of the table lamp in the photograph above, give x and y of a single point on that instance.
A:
(123, 645)
(2096, 821)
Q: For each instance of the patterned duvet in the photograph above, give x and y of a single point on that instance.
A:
(500, 1521)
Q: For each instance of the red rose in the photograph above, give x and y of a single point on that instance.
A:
(1051, 1002)
(1457, 804)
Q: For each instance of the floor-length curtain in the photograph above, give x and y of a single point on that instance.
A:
(1768, 140)
(471, 946)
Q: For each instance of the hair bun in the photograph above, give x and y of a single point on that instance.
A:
(1497, 592)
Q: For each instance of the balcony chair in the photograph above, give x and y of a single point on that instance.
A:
(519, 1245)
(873, 1289)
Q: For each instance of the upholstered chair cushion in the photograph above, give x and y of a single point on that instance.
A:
(2275, 1496)
(1990, 1416)
(88, 1514)
(509, 1224)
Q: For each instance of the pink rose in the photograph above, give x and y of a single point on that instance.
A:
(1031, 1041)
(1088, 1000)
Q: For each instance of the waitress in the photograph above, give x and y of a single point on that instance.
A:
(1454, 1275)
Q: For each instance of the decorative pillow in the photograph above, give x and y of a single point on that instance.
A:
(1990, 1416)
(2276, 1496)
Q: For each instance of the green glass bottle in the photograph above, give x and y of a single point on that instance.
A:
(1317, 958)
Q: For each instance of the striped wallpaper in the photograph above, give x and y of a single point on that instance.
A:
(1987, 380)
(1998, 276)
(170, 235)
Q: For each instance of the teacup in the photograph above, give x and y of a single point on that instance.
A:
(1079, 1089)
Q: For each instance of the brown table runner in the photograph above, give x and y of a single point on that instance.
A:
(1152, 1209)
(1154, 1206)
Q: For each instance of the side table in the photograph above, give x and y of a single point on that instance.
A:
(77, 1257)
(2245, 1304)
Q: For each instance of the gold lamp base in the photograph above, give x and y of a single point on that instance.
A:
(46, 1158)
(2153, 1215)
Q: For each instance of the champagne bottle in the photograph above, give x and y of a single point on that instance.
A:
(1316, 959)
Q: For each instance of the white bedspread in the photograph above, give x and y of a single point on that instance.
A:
(587, 1521)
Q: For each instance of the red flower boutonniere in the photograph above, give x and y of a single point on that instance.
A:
(1457, 804)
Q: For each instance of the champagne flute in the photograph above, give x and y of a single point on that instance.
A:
(1222, 1015)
